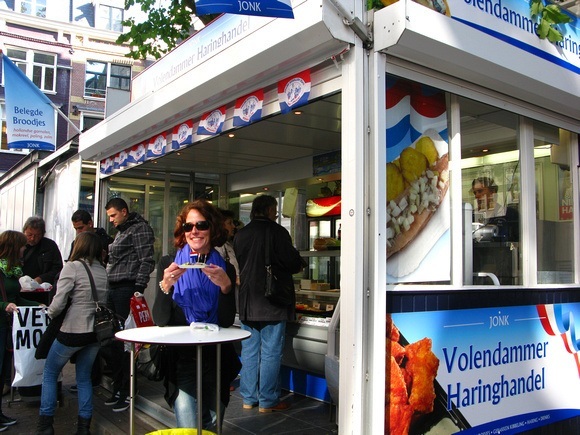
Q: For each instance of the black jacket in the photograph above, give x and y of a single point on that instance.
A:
(165, 312)
(249, 246)
(43, 260)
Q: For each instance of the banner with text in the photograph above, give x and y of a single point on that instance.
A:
(483, 371)
(262, 8)
(28, 325)
(30, 121)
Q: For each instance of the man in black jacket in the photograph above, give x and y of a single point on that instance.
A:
(42, 258)
(262, 352)
(83, 222)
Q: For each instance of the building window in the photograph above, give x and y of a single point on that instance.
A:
(89, 121)
(110, 18)
(40, 68)
(33, 7)
(100, 75)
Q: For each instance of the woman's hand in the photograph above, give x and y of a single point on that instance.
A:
(11, 308)
(218, 276)
(170, 276)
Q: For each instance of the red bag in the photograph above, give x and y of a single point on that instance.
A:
(140, 311)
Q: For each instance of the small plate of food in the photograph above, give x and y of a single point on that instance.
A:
(192, 265)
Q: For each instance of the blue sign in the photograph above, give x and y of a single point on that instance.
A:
(30, 122)
(263, 8)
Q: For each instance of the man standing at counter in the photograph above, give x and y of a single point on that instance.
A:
(42, 259)
(262, 352)
(129, 268)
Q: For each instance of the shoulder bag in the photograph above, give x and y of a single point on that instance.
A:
(278, 291)
(107, 322)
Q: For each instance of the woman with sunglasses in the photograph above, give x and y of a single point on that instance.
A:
(192, 288)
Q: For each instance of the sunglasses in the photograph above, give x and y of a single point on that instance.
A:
(201, 226)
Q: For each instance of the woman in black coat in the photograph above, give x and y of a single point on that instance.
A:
(168, 310)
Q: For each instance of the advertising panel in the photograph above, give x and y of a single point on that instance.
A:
(482, 371)
(418, 211)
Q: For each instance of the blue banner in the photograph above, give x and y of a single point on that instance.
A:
(501, 370)
(30, 122)
(262, 8)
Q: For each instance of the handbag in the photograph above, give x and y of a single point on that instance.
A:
(278, 291)
(106, 322)
(152, 360)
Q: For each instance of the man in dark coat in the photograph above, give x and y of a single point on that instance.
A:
(42, 258)
(82, 221)
(262, 352)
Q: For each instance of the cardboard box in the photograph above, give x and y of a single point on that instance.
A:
(320, 286)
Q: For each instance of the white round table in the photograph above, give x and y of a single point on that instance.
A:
(182, 336)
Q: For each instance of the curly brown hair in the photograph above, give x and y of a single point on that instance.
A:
(218, 234)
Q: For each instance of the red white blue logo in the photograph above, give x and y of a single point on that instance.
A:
(156, 146)
(212, 122)
(107, 166)
(248, 108)
(182, 135)
(294, 91)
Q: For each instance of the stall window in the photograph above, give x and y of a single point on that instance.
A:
(554, 205)
(491, 193)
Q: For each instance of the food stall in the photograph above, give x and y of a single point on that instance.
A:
(418, 100)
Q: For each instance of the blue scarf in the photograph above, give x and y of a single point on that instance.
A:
(194, 292)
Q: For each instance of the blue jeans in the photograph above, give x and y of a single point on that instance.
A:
(185, 405)
(261, 361)
(58, 356)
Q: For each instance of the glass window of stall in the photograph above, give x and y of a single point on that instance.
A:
(491, 193)
(554, 205)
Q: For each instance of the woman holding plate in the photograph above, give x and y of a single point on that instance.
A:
(196, 288)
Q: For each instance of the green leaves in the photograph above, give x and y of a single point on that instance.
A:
(163, 30)
(549, 18)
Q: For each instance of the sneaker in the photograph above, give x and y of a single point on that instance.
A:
(113, 399)
(6, 421)
(249, 405)
(282, 406)
(3, 428)
(122, 404)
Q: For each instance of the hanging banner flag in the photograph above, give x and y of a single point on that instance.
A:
(248, 108)
(30, 122)
(156, 147)
(120, 160)
(212, 122)
(294, 91)
(136, 154)
(182, 135)
(107, 166)
(262, 8)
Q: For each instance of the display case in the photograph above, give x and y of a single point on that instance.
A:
(317, 286)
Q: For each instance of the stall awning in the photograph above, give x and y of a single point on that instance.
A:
(225, 60)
